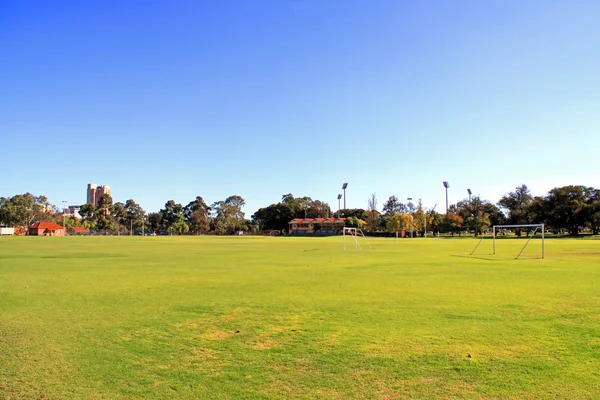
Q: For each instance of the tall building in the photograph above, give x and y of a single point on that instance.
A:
(95, 192)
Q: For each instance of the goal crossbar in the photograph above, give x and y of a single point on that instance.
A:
(354, 232)
(537, 227)
(495, 228)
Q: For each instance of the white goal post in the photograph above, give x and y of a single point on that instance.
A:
(353, 233)
(498, 228)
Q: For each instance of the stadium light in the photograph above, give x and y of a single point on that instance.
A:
(469, 191)
(344, 186)
(446, 185)
(339, 198)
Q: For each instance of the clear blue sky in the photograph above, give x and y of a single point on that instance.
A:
(169, 100)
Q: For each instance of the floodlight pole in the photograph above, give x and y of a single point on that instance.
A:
(339, 198)
(446, 185)
(469, 191)
(344, 186)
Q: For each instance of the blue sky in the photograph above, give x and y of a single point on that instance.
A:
(169, 100)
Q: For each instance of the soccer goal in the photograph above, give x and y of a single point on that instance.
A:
(533, 229)
(353, 234)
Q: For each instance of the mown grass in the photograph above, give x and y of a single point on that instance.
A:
(297, 318)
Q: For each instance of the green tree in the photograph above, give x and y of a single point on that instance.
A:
(400, 222)
(276, 216)
(172, 218)
(298, 205)
(318, 209)
(567, 207)
(372, 214)
(354, 212)
(420, 219)
(134, 215)
(103, 213)
(119, 214)
(197, 216)
(474, 214)
(435, 220)
(228, 215)
(393, 206)
(88, 215)
(593, 210)
(516, 205)
(453, 223)
(353, 222)
(537, 210)
(154, 222)
(25, 209)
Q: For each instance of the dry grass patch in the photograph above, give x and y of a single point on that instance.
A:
(217, 335)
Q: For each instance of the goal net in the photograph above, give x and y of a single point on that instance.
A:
(352, 234)
(532, 230)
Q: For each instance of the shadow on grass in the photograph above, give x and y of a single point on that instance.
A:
(475, 257)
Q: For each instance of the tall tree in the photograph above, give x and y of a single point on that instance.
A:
(119, 215)
(355, 212)
(5, 213)
(172, 218)
(134, 215)
(197, 216)
(474, 214)
(400, 222)
(420, 218)
(318, 209)
(88, 215)
(393, 206)
(298, 205)
(276, 216)
(435, 220)
(567, 207)
(154, 222)
(25, 209)
(593, 210)
(228, 214)
(453, 223)
(516, 203)
(372, 213)
(537, 210)
(103, 213)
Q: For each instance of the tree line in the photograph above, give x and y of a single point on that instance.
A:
(569, 209)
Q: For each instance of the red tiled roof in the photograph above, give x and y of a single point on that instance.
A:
(79, 229)
(318, 220)
(46, 225)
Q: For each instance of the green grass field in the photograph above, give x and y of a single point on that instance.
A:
(297, 318)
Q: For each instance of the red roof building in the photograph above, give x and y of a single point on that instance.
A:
(46, 229)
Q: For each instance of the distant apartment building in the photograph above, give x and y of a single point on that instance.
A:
(95, 192)
(73, 212)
